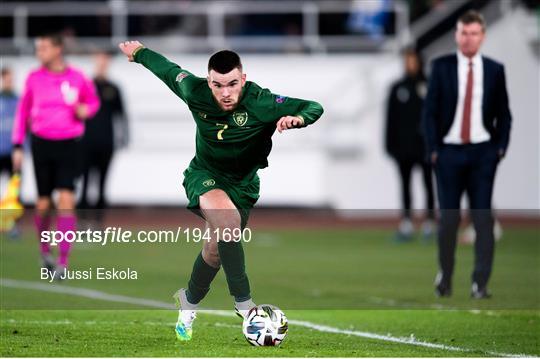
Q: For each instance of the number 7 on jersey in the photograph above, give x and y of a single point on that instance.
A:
(220, 132)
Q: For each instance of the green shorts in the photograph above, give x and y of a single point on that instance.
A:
(243, 194)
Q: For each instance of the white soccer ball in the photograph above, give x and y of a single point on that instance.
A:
(265, 325)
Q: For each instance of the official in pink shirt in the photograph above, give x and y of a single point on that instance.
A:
(55, 102)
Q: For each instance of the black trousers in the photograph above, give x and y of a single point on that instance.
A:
(466, 169)
(405, 171)
(96, 160)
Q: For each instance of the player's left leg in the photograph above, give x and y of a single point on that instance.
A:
(67, 158)
(223, 217)
(66, 221)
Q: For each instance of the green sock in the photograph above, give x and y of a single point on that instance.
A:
(232, 259)
(201, 276)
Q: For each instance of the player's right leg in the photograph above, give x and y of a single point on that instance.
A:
(66, 157)
(205, 268)
(66, 221)
(44, 174)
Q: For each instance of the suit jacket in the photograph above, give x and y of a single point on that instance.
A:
(442, 98)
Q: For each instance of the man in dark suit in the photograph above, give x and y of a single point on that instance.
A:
(466, 121)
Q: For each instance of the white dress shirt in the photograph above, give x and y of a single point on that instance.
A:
(478, 132)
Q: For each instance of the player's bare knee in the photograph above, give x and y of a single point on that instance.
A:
(43, 205)
(228, 230)
(211, 257)
(228, 225)
(211, 246)
(66, 200)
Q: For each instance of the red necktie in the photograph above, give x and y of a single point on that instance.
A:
(466, 124)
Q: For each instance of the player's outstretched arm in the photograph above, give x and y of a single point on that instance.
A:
(296, 113)
(287, 112)
(159, 65)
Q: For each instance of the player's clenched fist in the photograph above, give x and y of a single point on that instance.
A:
(129, 47)
(287, 122)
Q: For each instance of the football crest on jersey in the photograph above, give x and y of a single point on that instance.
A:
(240, 118)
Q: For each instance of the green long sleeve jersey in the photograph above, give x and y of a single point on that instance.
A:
(234, 143)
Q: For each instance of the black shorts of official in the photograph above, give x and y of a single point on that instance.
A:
(57, 164)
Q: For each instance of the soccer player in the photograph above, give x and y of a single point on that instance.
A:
(55, 102)
(235, 121)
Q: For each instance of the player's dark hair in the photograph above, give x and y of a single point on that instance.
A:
(472, 16)
(55, 39)
(224, 61)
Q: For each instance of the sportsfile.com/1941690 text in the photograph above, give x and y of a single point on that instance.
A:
(120, 235)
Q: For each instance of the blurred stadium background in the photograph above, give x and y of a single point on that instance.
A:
(344, 54)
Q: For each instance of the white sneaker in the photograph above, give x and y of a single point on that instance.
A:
(47, 261)
(186, 315)
(60, 273)
(242, 308)
(406, 227)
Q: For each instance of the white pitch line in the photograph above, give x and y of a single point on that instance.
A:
(106, 322)
(99, 295)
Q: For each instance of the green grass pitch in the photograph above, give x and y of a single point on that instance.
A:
(347, 293)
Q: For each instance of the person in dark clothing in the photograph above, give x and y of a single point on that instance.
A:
(8, 106)
(106, 132)
(467, 122)
(404, 141)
